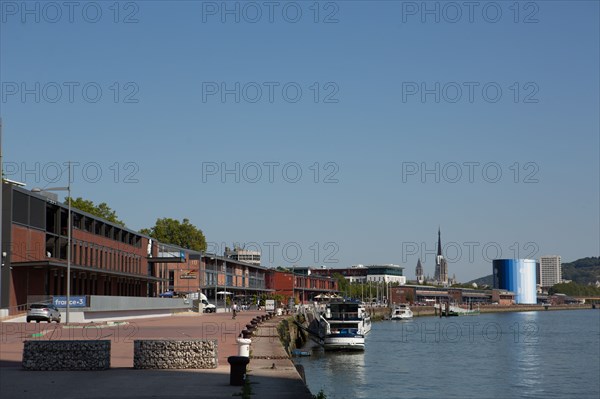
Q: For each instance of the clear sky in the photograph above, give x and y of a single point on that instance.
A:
(323, 133)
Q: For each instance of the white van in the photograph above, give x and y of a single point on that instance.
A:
(207, 306)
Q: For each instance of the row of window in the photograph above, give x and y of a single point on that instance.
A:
(234, 280)
(313, 283)
(86, 254)
(91, 286)
(100, 228)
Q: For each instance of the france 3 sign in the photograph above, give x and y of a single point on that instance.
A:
(74, 301)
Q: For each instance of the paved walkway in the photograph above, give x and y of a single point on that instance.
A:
(122, 381)
(272, 374)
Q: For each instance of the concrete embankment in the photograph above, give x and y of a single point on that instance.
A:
(530, 308)
(271, 372)
(380, 313)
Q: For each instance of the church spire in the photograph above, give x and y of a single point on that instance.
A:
(439, 242)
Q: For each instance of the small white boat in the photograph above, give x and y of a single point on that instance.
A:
(402, 312)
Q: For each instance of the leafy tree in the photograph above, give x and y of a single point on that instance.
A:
(574, 289)
(101, 210)
(172, 231)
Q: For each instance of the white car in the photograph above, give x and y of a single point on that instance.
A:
(43, 312)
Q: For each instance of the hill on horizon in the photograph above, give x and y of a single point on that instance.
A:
(581, 271)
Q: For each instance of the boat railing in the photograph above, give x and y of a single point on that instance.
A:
(345, 315)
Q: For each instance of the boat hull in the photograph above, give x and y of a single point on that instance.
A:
(356, 343)
(402, 317)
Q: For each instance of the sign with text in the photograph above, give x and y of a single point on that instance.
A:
(189, 274)
(270, 305)
(74, 301)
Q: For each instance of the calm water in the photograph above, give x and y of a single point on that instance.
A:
(551, 354)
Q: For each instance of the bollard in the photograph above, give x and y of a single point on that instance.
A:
(238, 369)
(246, 334)
(244, 347)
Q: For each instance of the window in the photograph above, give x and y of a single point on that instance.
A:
(87, 224)
(76, 220)
(51, 225)
(37, 208)
(20, 205)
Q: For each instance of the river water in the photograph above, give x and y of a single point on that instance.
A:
(548, 354)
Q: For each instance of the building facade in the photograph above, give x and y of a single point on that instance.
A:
(106, 258)
(243, 255)
(304, 288)
(389, 273)
(550, 271)
(518, 276)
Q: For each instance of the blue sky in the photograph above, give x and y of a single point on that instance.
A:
(502, 108)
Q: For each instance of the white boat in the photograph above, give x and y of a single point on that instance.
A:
(346, 324)
(401, 312)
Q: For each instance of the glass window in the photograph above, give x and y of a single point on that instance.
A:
(37, 213)
(20, 205)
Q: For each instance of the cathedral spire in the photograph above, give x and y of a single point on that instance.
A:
(439, 242)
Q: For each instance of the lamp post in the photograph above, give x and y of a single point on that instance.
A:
(68, 190)
(216, 275)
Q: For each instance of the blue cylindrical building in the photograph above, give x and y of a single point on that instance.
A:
(518, 276)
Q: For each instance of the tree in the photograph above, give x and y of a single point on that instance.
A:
(574, 289)
(101, 210)
(172, 231)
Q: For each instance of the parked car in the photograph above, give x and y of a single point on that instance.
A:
(43, 311)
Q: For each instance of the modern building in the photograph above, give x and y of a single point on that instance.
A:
(215, 276)
(107, 259)
(518, 276)
(389, 273)
(354, 274)
(303, 288)
(243, 255)
(550, 271)
(430, 295)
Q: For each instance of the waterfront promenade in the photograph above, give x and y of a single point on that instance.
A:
(122, 381)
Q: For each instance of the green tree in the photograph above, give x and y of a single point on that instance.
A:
(101, 210)
(574, 289)
(172, 231)
(343, 284)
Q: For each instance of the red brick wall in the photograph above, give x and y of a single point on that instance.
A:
(27, 244)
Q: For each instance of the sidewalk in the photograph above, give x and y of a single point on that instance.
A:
(271, 372)
(122, 381)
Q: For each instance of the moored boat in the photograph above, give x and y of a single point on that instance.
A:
(401, 312)
(346, 323)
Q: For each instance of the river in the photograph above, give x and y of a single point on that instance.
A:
(547, 354)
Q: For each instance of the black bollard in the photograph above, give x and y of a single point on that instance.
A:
(238, 369)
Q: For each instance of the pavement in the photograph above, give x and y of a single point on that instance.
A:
(271, 373)
(272, 377)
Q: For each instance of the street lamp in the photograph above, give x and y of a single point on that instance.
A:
(68, 190)
(216, 275)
